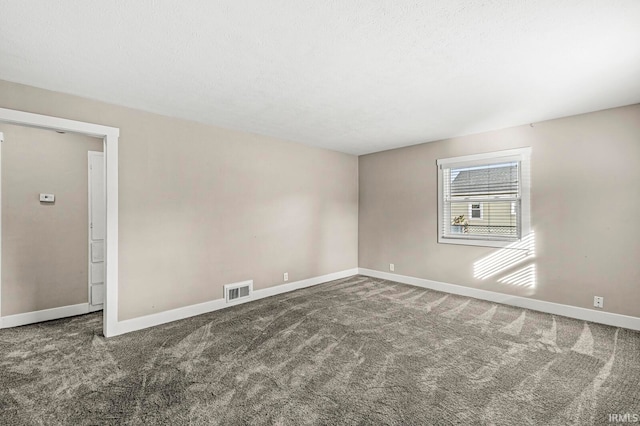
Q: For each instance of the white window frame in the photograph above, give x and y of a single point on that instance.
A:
(471, 212)
(521, 155)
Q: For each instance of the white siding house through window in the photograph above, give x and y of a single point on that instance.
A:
(484, 199)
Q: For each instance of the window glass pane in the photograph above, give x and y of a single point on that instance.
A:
(496, 220)
(475, 211)
(484, 181)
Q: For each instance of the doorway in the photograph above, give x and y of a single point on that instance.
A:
(109, 136)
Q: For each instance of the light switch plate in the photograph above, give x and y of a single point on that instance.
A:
(47, 198)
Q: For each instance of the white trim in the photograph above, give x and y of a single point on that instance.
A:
(29, 119)
(147, 321)
(44, 315)
(110, 137)
(110, 305)
(473, 242)
(525, 193)
(480, 159)
(1, 143)
(608, 318)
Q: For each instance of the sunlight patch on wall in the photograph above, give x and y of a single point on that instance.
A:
(525, 277)
(505, 258)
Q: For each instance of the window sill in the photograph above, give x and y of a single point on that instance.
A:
(481, 243)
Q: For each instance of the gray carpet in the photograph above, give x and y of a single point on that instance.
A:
(353, 351)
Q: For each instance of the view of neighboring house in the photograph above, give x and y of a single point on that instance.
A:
(484, 200)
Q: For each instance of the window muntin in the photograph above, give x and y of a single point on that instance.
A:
(481, 198)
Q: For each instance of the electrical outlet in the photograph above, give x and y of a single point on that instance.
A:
(392, 267)
(286, 276)
(598, 302)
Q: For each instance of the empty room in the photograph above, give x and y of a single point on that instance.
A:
(319, 212)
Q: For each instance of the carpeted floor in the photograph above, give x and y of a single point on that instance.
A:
(353, 351)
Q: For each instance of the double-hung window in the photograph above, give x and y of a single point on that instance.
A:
(483, 199)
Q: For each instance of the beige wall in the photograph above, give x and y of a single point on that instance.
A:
(584, 197)
(44, 246)
(202, 206)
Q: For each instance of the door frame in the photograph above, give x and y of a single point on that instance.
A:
(110, 136)
(90, 154)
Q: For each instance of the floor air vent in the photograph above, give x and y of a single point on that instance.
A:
(238, 291)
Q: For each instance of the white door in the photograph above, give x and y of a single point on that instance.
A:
(96, 230)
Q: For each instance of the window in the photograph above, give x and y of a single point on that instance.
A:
(475, 211)
(483, 199)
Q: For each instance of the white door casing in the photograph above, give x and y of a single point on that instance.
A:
(110, 136)
(96, 230)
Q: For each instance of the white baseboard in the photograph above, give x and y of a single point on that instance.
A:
(43, 315)
(608, 318)
(147, 321)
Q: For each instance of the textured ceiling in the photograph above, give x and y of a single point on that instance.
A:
(354, 76)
